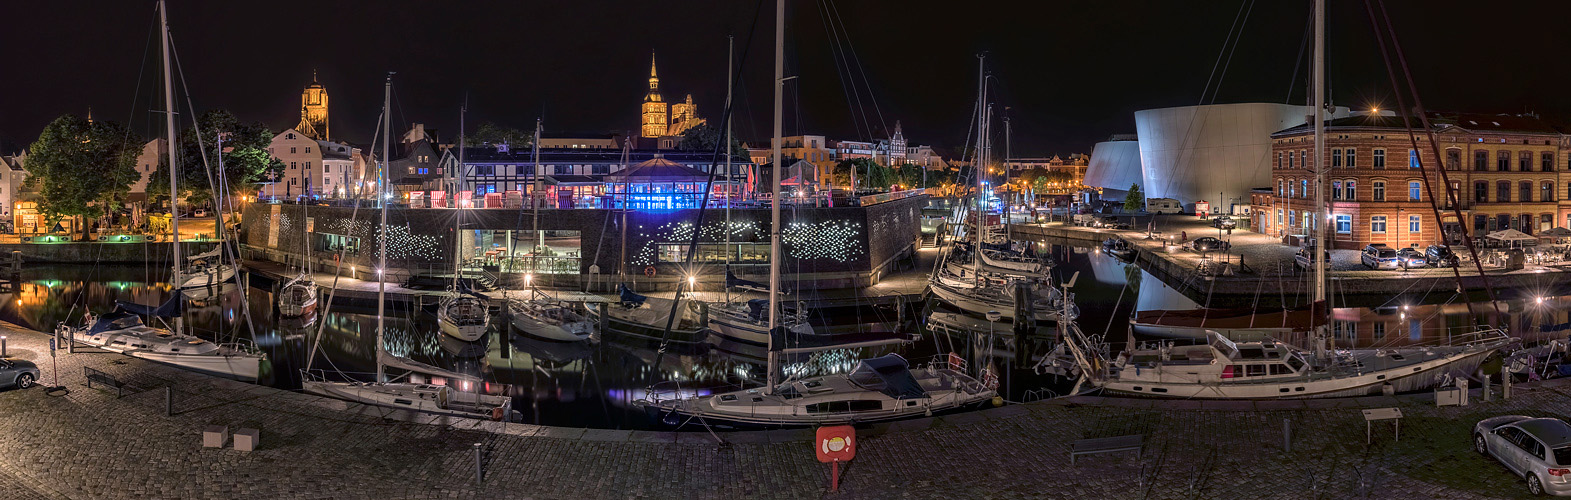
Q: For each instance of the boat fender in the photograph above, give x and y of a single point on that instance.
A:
(497, 413)
(998, 400)
(649, 271)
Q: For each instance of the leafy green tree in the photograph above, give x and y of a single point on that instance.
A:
(491, 134)
(1135, 200)
(246, 160)
(703, 138)
(82, 168)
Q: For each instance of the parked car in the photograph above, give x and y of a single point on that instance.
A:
(17, 372)
(1224, 222)
(1306, 255)
(1440, 256)
(1412, 258)
(1538, 449)
(1379, 256)
(1110, 223)
(1208, 244)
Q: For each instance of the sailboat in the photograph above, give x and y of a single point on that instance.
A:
(122, 330)
(425, 398)
(539, 314)
(1268, 369)
(877, 389)
(644, 317)
(462, 313)
(297, 298)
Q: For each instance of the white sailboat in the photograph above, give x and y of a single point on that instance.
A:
(297, 298)
(644, 317)
(884, 388)
(1267, 369)
(122, 330)
(539, 314)
(424, 398)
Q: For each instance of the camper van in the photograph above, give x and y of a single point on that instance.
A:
(1163, 206)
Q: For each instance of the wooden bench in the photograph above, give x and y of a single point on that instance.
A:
(1105, 445)
(103, 378)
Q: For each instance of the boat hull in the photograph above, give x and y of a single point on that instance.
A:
(618, 326)
(1402, 379)
(571, 332)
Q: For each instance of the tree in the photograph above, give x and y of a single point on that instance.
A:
(1135, 200)
(703, 138)
(246, 160)
(82, 168)
(491, 134)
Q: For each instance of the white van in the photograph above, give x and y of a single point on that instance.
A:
(1163, 206)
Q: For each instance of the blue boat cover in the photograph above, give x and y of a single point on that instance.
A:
(889, 374)
(629, 298)
(757, 309)
(114, 320)
(169, 309)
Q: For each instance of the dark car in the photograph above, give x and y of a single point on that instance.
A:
(1224, 222)
(1440, 256)
(19, 373)
(1209, 244)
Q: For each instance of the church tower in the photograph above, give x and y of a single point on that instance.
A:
(313, 110)
(656, 115)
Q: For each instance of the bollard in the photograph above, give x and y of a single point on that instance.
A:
(479, 472)
(1287, 435)
(2, 346)
(169, 401)
(1505, 385)
(1488, 395)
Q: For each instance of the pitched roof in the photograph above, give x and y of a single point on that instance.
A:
(1471, 122)
(658, 169)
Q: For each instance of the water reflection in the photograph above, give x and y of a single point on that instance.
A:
(594, 383)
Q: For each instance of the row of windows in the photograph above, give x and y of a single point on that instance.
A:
(1347, 158)
(1523, 222)
(1546, 191)
(1341, 158)
(1524, 162)
(1346, 190)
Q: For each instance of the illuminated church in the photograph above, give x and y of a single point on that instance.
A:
(661, 119)
(313, 111)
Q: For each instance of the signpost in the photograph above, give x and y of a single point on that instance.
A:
(835, 444)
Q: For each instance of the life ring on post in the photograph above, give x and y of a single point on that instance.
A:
(649, 271)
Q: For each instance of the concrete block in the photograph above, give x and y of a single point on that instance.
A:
(247, 439)
(214, 436)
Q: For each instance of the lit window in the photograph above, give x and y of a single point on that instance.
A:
(1413, 191)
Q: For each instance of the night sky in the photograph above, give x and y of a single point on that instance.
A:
(1071, 73)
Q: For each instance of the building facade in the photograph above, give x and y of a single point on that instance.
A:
(1505, 172)
(313, 168)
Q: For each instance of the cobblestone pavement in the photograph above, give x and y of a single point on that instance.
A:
(85, 443)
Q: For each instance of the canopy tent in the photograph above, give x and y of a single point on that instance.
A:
(657, 170)
(1555, 232)
(1512, 236)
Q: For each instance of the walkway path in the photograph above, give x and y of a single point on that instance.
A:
(87, 444)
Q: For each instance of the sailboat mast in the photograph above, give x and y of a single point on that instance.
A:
(174, 190)
(381, 234)
(539, 235)
(774, 200)
(731, 179)
(978, 166)
(1315, 96)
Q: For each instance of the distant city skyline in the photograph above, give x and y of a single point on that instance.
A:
(1070, 75)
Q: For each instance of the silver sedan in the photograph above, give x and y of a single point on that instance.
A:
(19, 373)
(1538, 449)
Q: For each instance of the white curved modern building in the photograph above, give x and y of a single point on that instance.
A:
(1115, 165)
(1215, 153)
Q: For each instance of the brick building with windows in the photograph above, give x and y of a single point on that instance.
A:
(1507, 172)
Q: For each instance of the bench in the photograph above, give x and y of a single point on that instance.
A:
(1105, 445)
(103, 378)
